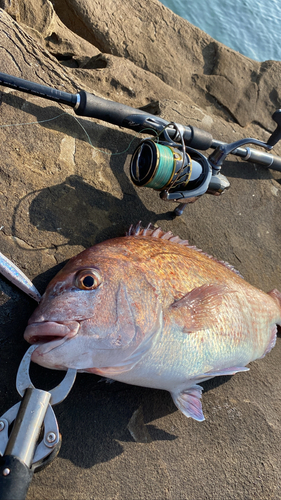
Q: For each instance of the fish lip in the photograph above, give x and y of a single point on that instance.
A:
(51, 331)
(38, 356)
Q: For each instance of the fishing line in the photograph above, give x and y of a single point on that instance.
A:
(38, 122)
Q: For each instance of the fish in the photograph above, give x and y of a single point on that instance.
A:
(149, 309)
(14, 274)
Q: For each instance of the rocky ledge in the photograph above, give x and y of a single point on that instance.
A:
(64, 185)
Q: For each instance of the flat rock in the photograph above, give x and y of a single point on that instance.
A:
(65, 185)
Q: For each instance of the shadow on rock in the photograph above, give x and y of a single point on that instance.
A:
(15, 309)
(82, 213)
(97, 418)
(245, 170)
(85, 215)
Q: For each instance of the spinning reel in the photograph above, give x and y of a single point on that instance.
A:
(179, 172)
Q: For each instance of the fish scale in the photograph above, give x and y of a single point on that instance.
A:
(156, 312)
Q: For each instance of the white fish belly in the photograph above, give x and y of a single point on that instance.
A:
(178, 360)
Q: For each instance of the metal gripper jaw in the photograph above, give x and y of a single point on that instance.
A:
(34, 436)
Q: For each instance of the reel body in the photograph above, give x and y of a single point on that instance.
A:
(177, 171)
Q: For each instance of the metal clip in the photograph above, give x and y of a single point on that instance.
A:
(32, 415)
(58, 394)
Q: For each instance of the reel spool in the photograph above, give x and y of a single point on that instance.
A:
(167, 167)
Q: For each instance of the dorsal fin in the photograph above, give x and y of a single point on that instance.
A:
(152, 231)
(156, 232)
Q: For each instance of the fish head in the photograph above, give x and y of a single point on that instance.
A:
(94, 313)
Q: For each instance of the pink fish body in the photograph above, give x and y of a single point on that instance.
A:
(150, 310)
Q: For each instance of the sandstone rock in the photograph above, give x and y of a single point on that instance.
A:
(40, 20)
(64, 185)
(180, 54)
(119, 79)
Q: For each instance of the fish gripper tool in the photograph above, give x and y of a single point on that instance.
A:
(29, 433)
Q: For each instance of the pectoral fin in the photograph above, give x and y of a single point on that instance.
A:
(189, 403)
(199, 308)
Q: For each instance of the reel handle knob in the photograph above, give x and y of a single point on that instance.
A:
(276, 136)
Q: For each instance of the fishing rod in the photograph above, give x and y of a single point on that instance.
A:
(169, 161)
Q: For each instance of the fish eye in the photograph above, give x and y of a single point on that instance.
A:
(87, 279)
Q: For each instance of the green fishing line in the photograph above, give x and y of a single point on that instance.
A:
(164, 168)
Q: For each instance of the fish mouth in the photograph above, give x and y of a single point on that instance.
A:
(51, 331)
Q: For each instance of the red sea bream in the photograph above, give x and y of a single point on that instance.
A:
(150, 310)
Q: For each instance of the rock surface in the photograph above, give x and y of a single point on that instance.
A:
(64, 185)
